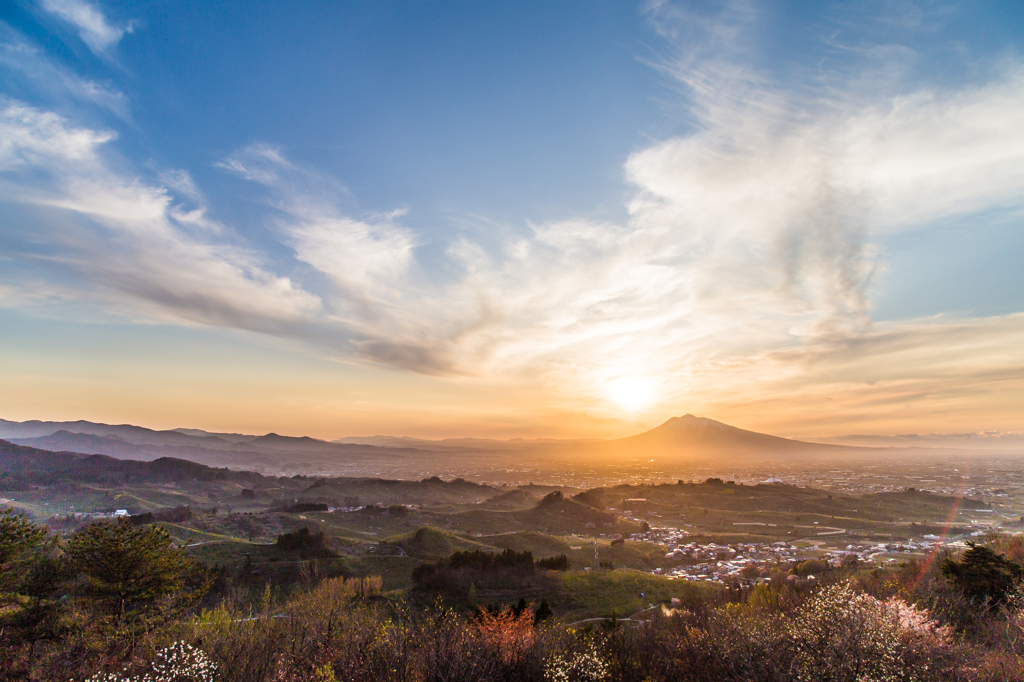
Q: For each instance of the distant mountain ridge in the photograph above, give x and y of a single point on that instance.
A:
(679, 438)
(461, 444)
(270, 453)
(139, 435)
(688, 431)
(23, 468)
(233, 437)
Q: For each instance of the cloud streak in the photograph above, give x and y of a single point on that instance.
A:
(19, 56)
(92, 25)
(129, 241)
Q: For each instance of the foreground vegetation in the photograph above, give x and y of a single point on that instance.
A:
(116, 602)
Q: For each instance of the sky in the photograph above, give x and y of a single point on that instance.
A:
(530, 219)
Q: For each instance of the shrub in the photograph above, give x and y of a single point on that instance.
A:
(177, 514)
(509, 634)
(811, 567)
(180, 662)
(586, 665)
(305, 541)
(303, 507)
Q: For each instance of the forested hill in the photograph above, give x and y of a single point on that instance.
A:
(78, 475)
(45, 467)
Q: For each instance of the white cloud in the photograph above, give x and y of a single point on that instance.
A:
(46, 76)
(934, 154)
(123, 238)
(365, 259)
(33, 138)
(93, 27)
(751, 235)
(960, 373)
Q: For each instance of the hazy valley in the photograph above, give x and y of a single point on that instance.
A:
(690, 482)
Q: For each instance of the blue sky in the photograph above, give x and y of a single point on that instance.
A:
(526, 218)
(514, 110)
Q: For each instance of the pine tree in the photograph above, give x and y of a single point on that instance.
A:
(18, 537)
(983, 576)
(543, 611)
(127, 567)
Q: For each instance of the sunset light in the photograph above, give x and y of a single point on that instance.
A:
(796, 219)
(525, 341)
(631, 394)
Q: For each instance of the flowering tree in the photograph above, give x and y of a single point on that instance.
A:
(843, 635)
(510, 634)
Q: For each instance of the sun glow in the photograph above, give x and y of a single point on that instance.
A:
(631, 393)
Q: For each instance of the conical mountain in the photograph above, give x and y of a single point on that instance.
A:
(690, 434)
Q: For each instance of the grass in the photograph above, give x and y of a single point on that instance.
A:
(435, 544)
(598, 594)
(541, 544)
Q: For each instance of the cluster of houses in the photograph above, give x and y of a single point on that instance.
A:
(722, 563)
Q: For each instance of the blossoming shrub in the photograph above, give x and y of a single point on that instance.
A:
(917, 622)
(735, 643)
(180, 662)
(345, 631)
(511, 636)
(844, 635)
(585, 665)
(333, 623)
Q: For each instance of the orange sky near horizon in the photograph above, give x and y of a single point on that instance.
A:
(811, 237)
(236, 382)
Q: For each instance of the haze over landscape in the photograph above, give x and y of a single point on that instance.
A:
(576, 341)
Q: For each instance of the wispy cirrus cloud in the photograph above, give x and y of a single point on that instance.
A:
(92, 25)
(364, 258)
(41, 74)
(125, 241)
(1009, 443)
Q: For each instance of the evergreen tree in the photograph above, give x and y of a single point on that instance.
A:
(543, 611)
(33, 575)
(18, 537)
(127, 567)
(983, 576)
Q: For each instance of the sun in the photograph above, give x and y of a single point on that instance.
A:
(630, 393)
